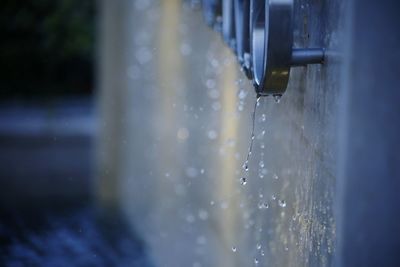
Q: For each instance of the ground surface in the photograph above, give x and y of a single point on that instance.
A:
(70, 237)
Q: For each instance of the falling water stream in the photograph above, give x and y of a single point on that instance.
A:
(243, 180)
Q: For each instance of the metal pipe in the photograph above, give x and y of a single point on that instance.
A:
(305, 56)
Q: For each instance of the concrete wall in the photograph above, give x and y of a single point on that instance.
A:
(176, 130)
(369, 178)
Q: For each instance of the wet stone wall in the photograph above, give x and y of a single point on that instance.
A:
(176, 131)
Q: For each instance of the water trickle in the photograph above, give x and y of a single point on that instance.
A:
(246, 164)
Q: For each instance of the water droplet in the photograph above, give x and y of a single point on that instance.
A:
(258, 246)
(261, 164)
(239, 81)
(263, 117)
(203, 214)
(277, 98)
(246, 166)
(216, 106)
(186, 49)
(242, 94)
(256, 261)
(212, 203)
(275, 176)
(258, 101)
(262, 253)
(243, 181)
(202, 171)
(234, 249)
(263, 205)
(273, 197)
(190, 218)
(252, 137)
(201, 240)
(210, 83)
(212, 134)
(231, 142)
(282, 203)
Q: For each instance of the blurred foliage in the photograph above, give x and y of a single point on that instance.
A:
(47, 47)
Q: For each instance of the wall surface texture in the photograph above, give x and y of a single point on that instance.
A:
(176, 131)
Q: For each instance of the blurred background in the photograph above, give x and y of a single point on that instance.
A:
(124, 126)
(48, 126)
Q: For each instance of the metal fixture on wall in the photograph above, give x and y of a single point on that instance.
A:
(242, 27)
(261, 34)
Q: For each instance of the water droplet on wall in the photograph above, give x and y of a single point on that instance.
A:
(277, 98)
(242, 94)
(212, 134)
(263, 205)
(261, 164)
(246, 166)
